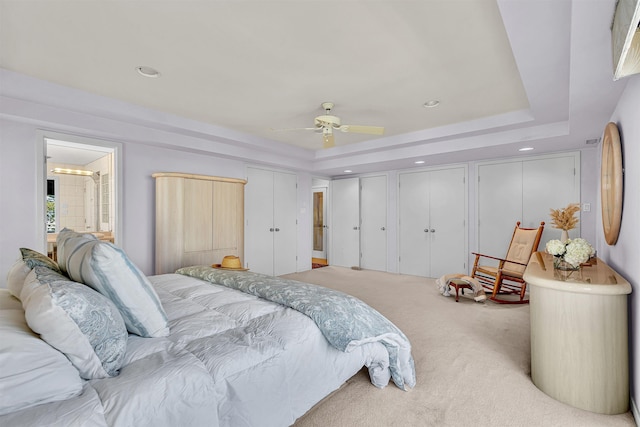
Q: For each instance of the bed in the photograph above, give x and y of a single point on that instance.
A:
(218, 349)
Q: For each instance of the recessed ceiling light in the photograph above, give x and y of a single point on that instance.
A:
(419, 162)
(145, 71)
(525, 149)
(432, 103)
(348, 171)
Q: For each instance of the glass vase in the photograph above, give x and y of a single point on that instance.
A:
(560, 264)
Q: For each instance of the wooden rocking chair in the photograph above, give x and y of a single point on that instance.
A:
(506, 277)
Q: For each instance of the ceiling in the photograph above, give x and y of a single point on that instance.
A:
(506, 73)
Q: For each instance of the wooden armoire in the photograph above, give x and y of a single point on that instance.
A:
(199, 220)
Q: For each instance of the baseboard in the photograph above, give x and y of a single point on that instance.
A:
(634, 411)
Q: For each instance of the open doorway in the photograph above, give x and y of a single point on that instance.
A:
(319, 254)
(79, 188)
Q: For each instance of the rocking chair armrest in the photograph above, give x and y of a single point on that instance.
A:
(487, 256)
(502, 260)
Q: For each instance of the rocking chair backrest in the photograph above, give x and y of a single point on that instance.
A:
(524, 242)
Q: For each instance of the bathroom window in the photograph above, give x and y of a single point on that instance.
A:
(51, 206)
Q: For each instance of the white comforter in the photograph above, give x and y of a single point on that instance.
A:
(232, 359)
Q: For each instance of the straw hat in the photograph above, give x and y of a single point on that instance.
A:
(230, 262)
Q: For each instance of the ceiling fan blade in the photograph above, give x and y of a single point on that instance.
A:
(328, 141)
(371, 130)
(289, 129)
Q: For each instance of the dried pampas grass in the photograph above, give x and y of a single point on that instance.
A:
(565, 219)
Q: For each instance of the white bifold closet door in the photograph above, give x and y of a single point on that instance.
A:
(345, 223)
(525, 191)
(373, 223)
(271, 222)
(432, 225)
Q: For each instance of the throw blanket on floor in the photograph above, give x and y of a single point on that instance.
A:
(478, 290)
(344, 320)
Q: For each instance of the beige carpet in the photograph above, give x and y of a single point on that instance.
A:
(472, 362)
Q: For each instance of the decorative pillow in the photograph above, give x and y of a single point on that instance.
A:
(31, 371)
(63, 250)
(108, 270)
(76, 320)
(28, 260)
(16, 276)
(33, 259)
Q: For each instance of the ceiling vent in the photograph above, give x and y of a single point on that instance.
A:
(625, 36)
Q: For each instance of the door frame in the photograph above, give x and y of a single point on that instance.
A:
(324, 254)
(41, 178)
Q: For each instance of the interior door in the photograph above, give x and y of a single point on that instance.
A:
(550, 183)
(345, 223)
(413, 231)
(499, 206)
(447, 226)
(373, 220)
(319, 226)
(259, 221)
(285, 228)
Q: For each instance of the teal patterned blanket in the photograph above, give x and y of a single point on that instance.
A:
(344, 320)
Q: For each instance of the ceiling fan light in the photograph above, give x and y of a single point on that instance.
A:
(431, 103)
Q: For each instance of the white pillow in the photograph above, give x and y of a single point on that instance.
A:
(31, 371)
(62, 250)
(16, 276)
(76, 320)
(28, 259)
(108, 270)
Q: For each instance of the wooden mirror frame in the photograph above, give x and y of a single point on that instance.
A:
(611, 183)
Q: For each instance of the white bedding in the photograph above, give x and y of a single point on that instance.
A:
(231, 359)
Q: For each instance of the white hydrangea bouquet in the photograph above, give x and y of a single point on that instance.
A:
(573, 251)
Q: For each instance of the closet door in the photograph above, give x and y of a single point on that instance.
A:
(499, 206)
(373, 220)
(432, 227)
(259, 221)
(525, 191)
(413, 232)
(285, 200)
(345, 223)
(549, 183)
(447, 214)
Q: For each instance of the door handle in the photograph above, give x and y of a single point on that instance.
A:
(382, 228)
(426, 230)
(355, 228)
(271, 230)
(277, 229)
(432, 230)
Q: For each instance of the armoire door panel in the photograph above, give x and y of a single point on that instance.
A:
(198, 221)
(345, 222)
(413, 232)
(169, 224)
(226, 206)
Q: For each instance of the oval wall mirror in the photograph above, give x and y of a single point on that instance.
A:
(611, 183)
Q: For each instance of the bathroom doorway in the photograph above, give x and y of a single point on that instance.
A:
(80, 188)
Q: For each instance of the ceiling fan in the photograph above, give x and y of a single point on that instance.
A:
(327, 123)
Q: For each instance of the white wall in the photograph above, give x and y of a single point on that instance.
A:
(624, 256)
